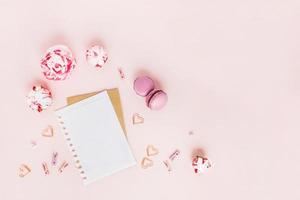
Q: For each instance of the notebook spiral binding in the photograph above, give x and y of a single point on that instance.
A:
(73, 150)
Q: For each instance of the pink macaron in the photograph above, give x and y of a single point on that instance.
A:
(155, 99)
(143, 85)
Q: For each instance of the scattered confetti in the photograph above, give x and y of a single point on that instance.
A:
(151, 150)
(167, 165)
(48, 132)
(54, 158)
(122, 75)
(33, 144)
(146, 162)
(200, 164)
(191, 133)
(58, 63)
(39, 98)
(24, 170)
(96, 56)
(174, 155)
(137, 119)
(45, 168)
(62, 167)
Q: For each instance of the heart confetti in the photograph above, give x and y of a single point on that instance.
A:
(137, 119)
(146, 162)
(24, 170)
(151, 150)
(48, 132)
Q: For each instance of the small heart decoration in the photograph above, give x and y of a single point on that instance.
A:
(48, 132)
(137, 119)
(146, 162)
(151, 150)
(24, 170)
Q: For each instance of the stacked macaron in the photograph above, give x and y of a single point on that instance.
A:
(155, 99)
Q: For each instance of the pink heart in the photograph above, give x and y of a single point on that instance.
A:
(48, 132)
(137, 119)
(24, 170)
(151, 150)
(146, 162)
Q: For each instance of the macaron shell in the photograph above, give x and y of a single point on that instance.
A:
(143, 85)
(156, 99)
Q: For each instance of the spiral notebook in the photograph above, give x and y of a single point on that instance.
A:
(95, 137)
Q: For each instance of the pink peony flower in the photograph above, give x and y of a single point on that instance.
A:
(58, 63)
(39, 98)
(96, 56)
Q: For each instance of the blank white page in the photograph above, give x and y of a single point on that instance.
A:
(95, 137)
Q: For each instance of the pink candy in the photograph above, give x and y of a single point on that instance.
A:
(96, 56)
(58, 63)
(39, 98)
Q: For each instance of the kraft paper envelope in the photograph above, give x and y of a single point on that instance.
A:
(114, 98)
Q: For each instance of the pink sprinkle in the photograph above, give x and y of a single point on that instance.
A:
(45, 168)
(167, 164)
(174, 155)
(122, 75)
(62, 167)
(54, 158)
(33, 143)
(191, 133)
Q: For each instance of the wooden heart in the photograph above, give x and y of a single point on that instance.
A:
(48, 132)
(24, 170)
(146, 162)
(151, 150)
(137, 119)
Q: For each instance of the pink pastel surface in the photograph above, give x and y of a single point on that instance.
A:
(231, 70)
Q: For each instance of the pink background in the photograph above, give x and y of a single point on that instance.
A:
(230, 68)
